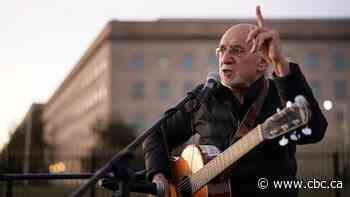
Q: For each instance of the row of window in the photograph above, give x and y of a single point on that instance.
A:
(137, 62)
(84, 80)
(91, 101)
(138, 89)
(340, 88)
(92, 75)
(312, 61)
(78, 108)
(338, 58)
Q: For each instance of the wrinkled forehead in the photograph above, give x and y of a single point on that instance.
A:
(236, 35)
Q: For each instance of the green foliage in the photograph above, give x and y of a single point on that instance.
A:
(111, 138)
(29, 132)
(11, 158)
(112, 135)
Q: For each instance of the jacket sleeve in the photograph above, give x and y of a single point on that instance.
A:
(166, 136)
(293, 85)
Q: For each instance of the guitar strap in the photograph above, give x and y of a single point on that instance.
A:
(249, 118)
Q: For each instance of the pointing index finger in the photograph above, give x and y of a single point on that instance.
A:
(259, 17)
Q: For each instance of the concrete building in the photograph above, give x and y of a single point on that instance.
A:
(135, 70)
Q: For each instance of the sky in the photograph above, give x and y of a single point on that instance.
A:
(41, 40)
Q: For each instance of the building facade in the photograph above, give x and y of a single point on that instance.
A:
(134, 71)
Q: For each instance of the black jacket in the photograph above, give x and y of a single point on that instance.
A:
(215, 121)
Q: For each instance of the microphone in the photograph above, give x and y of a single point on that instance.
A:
(210, 84)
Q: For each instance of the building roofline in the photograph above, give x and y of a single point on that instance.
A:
(253, 20)
(99, 40)
(194, 28)
(34, 107)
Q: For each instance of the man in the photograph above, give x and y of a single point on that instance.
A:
(244, 53)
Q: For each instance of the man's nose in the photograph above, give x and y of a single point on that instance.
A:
(226, 58)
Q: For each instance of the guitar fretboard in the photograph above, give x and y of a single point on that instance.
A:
(225, 159)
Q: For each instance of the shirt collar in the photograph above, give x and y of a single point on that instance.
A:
(251, 94)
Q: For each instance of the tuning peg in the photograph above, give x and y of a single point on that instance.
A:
(300, 99)
(306, 131)
(289, 104)
(283, 141)
(295, 136)
(278, 109)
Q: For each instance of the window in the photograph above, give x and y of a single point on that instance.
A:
(139, 121)
(338, 60)
(213, 62)
(138, 90)
(93, 73)
(316, 88)
(340, 89)
(164, 90)
(340, 118)
(188, 63)
(138, 62)
(188, 86)
(163, 60)
(312, 61)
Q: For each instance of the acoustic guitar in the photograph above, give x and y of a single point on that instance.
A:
(196, 170)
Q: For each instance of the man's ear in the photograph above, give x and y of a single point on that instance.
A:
(262, 64)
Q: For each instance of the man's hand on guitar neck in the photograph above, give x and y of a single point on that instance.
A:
(159, 178)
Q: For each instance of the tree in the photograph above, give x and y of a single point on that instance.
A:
(112, 136)
(13, 153)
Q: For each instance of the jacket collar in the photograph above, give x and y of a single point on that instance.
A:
(250, 95)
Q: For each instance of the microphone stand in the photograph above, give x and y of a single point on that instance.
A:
(123, 156)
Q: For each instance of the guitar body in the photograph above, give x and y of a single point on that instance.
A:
(193, 158)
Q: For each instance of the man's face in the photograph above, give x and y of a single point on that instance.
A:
(237, 65)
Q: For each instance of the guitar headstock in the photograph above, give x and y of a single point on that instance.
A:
(287, 119)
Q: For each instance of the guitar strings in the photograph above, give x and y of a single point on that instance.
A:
(186, 183)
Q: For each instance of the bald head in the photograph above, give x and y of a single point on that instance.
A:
(239, 32)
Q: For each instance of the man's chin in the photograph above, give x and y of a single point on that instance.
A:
(233, 84)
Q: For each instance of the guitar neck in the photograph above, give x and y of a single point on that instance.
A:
(226, 159)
